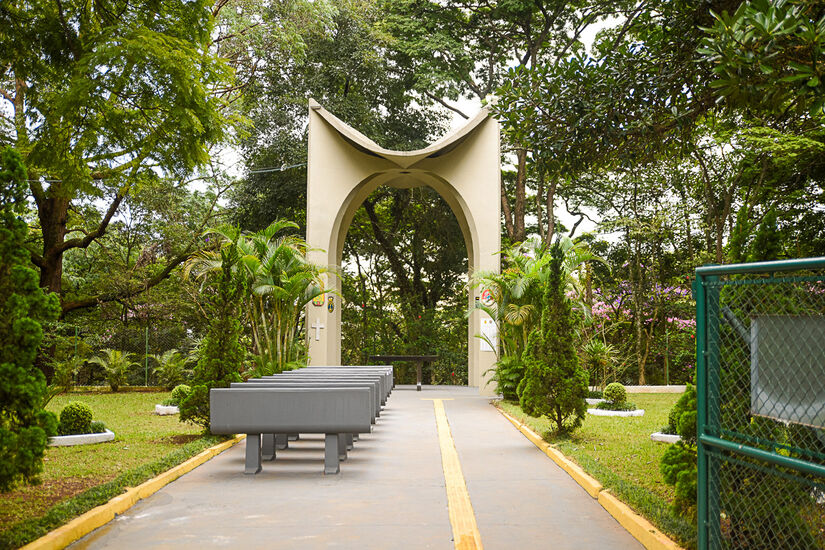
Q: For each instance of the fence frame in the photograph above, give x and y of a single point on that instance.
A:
(708, 438)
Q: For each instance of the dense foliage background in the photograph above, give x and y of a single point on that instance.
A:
(679, 133)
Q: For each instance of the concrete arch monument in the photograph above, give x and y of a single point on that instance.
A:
(344, 167)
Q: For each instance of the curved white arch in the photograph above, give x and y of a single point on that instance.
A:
(345, 167)
(403, 159)
(365, 188)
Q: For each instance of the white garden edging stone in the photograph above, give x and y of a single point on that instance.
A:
(165, 410)
(661, 437)
(605, 412)
(81, 439)
(593, 400)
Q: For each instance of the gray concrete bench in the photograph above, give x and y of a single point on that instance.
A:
(333, 412)
(383, 386)
(378, 377)
(373, 386)
(385, 370)
(271, 442)
(303, 374)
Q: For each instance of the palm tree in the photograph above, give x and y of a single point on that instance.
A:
(517, 293)
(600, 357)
(116, 365)
(64, 375)
(171, 368)
(281, 282)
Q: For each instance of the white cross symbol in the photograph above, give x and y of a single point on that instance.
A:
(317, 326)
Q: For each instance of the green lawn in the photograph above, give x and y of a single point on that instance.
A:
(619, 453)
(144, 445)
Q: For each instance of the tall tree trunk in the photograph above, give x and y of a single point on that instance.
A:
(551, 218)
(635, 249)
(686, 219)
(637, 313)
(708, 237)
(54, 214)
(507, 213)
(362, 284)
(721, 218)
(519, 233)
(411, 304)
(540, 207)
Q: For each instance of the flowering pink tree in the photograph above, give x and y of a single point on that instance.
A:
(668, 331)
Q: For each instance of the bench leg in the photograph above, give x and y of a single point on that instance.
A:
(349, 442)
(268, 446)
(331, 465)
(253, 454)
(293, 437)
(281, 442)
(355, 437)
(342, 446)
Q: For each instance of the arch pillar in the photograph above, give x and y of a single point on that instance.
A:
(344, 167)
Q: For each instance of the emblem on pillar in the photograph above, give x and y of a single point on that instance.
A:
(319, 300)
(331, 304)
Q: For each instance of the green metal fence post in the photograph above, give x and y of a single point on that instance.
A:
(75, 342)
(701, 413)
(146, 359)
(706, 291)
(712, 407)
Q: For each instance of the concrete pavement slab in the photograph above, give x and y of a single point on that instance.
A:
(390, 492)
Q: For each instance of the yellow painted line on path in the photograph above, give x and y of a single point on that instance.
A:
(462, 517)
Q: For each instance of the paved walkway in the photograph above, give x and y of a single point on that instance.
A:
(390, 492)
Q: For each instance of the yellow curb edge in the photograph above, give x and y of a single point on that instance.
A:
(100, 515)
(641, 529)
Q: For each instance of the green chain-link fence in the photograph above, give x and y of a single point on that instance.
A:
(145, 344)
(761, 405)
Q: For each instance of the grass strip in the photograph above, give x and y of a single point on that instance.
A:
(28, 530)
(654, 508)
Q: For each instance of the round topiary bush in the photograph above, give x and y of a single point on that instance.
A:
(180, 393)
(615, 393)
(75, 418)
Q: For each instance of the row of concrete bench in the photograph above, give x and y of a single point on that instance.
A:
(339, 402)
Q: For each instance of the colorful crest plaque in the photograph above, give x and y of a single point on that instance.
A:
(487, 297)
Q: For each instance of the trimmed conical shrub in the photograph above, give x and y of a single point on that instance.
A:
(554, 384)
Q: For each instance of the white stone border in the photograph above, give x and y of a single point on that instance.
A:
(81, 439)
(164, 410)
(594, 400)
(605, 412)
(661, 437)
